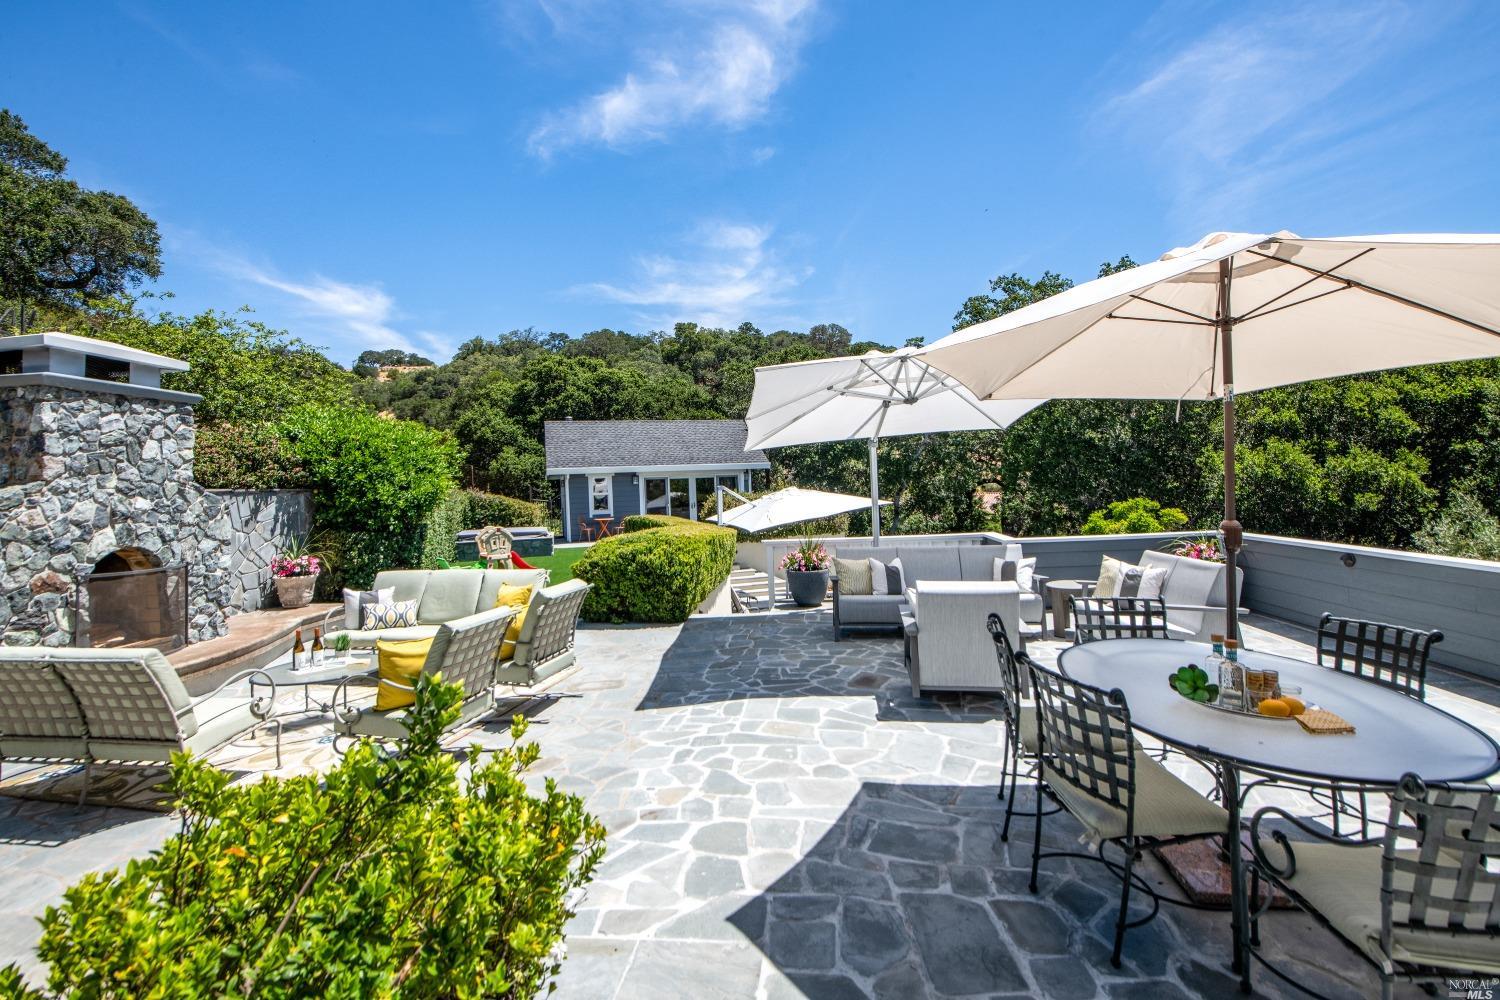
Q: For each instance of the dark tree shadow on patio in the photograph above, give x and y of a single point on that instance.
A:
(912, 894)
(794, 656)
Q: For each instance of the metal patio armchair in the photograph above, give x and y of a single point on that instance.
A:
(1091, 765)
(1421, 902)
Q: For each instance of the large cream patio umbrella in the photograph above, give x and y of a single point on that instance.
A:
(869, 396)
(1237, 312)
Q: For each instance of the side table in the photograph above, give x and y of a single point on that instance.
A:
(1059, 593)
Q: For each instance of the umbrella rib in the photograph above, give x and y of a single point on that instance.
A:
(1157, 319)
(1296, 288)
(1403, 300)
(1259, 314)
(1163, 305)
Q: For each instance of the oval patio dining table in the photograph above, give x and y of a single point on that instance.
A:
(1394, 733)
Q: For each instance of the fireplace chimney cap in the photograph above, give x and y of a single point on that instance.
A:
(86, 364)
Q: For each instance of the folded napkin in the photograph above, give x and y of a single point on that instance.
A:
(1321, 722)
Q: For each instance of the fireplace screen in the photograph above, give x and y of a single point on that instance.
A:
(133, 607)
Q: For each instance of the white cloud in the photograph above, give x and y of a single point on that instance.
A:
(723, 70)
(1257, 100)
(730, 274)
(363, 314)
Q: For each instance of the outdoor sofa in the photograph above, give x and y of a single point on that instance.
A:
(1193, 593)
(124, 706)
(466, 651)
(919, 563)
(442, 595)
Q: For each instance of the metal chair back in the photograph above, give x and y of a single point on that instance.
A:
(1011, 666)
(1086, 738)
(1386, 654)
(1436, 878)
(1096, 618)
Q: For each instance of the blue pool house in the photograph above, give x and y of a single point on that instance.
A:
(610, 469)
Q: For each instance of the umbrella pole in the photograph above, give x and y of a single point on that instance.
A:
(1230, 527)
(874, 493)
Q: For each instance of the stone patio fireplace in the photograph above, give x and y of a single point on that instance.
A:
(106, 538)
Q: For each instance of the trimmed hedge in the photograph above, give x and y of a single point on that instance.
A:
(491, 508)
(658, 569)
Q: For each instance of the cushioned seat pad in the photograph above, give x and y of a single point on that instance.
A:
(1343, 884)
(1165, 805)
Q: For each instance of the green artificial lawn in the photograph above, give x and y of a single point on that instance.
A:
(560, 562)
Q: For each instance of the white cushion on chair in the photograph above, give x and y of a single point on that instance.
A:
(1165, 805)
(1343, 884)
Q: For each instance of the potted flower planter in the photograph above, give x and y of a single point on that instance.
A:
(295, 591)
(807, 587)
(296, 575)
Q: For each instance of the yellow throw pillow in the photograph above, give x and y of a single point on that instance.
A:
(512, 597)
(399, 661)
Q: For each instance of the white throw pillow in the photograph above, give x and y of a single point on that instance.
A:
(878, 582)
(1138, 581)
(355, 601)
(1021, 571)
(1025, 574)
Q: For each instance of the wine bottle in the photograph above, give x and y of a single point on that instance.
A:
(299, 652)
(317, 648)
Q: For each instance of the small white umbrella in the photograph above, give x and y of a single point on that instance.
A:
(789, 506)
(1236, 312)
(871, 396)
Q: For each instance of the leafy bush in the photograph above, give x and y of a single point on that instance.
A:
(354, 557)
(386, 877)
(440, 528)
(371, 473)
(1135, 516)
(1463, 528)
(835, 526)
(244, 456)
(658, 569)
(507, 512)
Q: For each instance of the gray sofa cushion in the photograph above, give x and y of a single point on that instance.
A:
(870, 609)
(930, 563)
(977, 562)
(449, 594)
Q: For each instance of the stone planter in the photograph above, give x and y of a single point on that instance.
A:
(807, 588)
(295, 591)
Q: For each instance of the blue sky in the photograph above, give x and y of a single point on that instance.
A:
(394, 174)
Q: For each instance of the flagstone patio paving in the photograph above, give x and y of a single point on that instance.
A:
(786, 821)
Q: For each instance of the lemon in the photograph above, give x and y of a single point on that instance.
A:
(1295, 704)
(1275, 708)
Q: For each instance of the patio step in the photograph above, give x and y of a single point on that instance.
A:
(255, 639)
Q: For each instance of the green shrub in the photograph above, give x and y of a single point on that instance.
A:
(1135, 516)
(835, 526)
(371, 473)
(1464, 527)
(507, 512)
(245, 456)
(658, 569)
(387, 877)
(440, 528)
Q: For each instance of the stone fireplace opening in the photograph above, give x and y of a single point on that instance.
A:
(130, 598)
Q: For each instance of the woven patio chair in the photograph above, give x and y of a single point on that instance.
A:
(1420, 903)
(1386, 654)
(1391, 655)
(1096, 618)
(1092, 765)
(1020, 716)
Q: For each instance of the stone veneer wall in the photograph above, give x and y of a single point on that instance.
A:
(91, 472)
(266, 523)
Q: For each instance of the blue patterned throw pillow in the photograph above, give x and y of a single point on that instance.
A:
(396, 614)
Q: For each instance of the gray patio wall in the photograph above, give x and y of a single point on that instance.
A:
(265, 523)
(1297, 580)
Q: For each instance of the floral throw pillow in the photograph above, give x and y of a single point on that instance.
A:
(396, 614)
